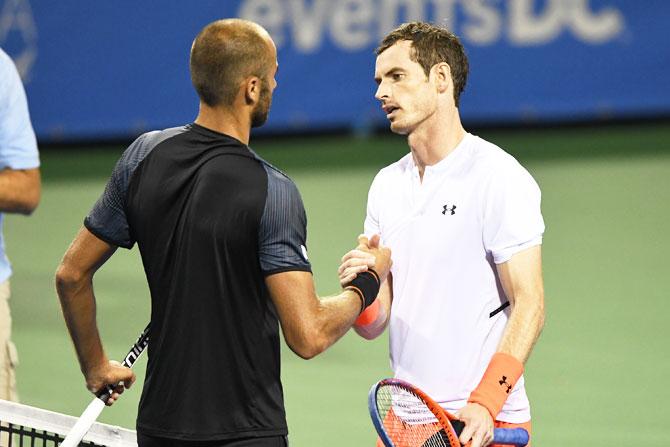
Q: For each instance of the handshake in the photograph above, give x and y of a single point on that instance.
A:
(363, 270)
(368, 255)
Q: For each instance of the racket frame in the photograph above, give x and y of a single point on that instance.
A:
(440, 414)
(507, 436)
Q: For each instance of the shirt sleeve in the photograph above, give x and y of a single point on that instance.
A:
(512, 216)
(18, 146)
(283, 228)
(107, 219)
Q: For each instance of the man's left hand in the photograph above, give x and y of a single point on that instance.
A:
(478, 425)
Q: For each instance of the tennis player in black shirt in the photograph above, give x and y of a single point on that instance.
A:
(222, 235)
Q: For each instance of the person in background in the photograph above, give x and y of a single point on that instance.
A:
(19, 193)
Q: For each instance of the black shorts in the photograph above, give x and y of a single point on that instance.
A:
(154, 441)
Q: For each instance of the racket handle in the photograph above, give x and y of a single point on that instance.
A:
(510, 436)
(84, 423)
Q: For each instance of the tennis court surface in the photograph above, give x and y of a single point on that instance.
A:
(602, 354)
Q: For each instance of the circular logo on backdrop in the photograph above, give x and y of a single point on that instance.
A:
(18, 35)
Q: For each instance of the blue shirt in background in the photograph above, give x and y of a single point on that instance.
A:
(18, 146)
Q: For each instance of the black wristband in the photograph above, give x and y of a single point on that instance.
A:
(366, 285)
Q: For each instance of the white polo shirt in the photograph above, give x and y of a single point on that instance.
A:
(474, 209)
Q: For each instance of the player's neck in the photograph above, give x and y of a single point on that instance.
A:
(435, 139)
(223, 120)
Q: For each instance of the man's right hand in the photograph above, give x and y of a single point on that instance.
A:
(369, 254)
(110, 373)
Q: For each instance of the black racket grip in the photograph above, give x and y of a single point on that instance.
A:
(135, 351)
(105, 393)
(458, 426)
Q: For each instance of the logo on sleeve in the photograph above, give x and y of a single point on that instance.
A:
(504, 382)
(451, 209)
(303, 249)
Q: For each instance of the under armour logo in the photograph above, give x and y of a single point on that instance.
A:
(504, 382)
(450, 208)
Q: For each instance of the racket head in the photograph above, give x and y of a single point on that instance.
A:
(404, 416)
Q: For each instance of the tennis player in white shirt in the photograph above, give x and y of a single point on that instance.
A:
(465, 300)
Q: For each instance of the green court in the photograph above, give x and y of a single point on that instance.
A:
(596, 378)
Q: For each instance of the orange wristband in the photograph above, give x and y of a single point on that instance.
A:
(369, 315)
(499, 379)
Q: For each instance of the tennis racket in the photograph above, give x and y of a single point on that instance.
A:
(94, 409)
(404, 416)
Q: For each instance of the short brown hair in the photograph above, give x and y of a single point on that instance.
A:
(431, 45)
(223, 54)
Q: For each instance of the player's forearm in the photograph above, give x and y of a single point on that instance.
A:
(374, 298)
(524, 326)
(78, 305)
(374, 328)
(19, 190)
(330, 320)
(521, 278)
(310, 325)
(507, 365)
(372, 322)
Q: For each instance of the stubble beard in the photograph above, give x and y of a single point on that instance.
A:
(260, 114)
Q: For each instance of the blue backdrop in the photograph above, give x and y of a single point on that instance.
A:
(114, 69)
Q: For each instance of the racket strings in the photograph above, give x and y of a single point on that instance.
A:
(407, 419)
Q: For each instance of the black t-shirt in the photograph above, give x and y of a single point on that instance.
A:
(211, 220)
